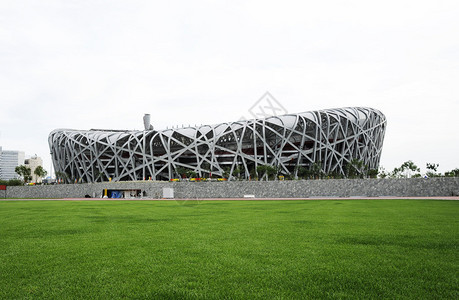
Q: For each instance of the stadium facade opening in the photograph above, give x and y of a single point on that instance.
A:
(329, 138)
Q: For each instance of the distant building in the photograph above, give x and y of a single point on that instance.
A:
(9, 160)
(33, 163)
(328, 139)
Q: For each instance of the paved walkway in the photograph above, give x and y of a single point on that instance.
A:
(240, 199)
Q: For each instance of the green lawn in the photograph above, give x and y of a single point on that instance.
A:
(229, 249)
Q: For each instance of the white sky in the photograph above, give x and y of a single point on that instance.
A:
(103, 64)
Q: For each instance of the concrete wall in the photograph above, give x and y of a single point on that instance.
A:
(414, 187)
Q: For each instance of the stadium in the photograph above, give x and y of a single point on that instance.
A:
(330, 139)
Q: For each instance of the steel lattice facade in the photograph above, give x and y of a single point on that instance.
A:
(332, 137)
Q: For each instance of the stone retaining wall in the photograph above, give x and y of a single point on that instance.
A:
(413, 187)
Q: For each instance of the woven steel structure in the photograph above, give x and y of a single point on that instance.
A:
(333, 137)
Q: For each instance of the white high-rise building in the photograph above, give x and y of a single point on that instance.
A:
(9, 160)
(33, 163)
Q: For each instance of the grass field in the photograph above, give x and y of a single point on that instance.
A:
(229, 249)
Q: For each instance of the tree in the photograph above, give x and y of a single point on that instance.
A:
(226, 172)
(406, 170)
(452, 173)
(40, 172)
(382, 173)
(272, 172)
(432, 170)
(356, 169)
(335, 174)
(396, 173)
(261, 171)
(181, 172)
(373, 173)
(206, 170)
(316, 170)
(24, 172)
(267, 171)
(302, 172)
(237, 172)
(185, 173)
(253, 173)
(409, 168)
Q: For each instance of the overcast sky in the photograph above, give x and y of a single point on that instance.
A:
(104, 64)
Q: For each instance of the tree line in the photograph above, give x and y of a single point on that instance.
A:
(353, 169)
(410, 170)
(26, 174)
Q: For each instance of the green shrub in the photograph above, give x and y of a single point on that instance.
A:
(15, 182)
